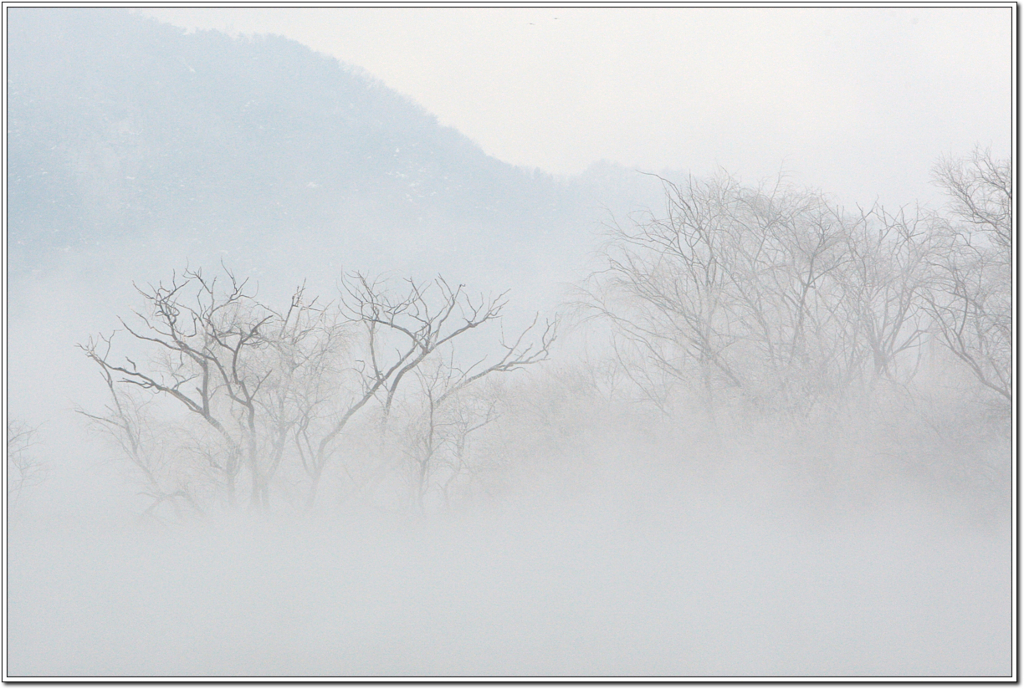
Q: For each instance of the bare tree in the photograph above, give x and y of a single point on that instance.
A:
(304, 350)
(470, 411)
(127, 420)
(449, 412)
(970, 304)
(886, 285)
(665, 286)
(265, 390)
(212, 346)
(401, 330)
(734, 289)
(403, 327)
(24, 469)
(980, 194)
(789, 257)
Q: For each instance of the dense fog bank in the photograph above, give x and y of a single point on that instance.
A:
(554, 519)
(402, 478)
(301, 382)
(681, 580)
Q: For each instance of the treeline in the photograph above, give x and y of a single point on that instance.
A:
(762, 317)
(888, 332)
(790, 301)
(273, 398)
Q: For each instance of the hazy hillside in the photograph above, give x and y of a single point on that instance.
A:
(768, 436)
(136, 149)
(201, 145)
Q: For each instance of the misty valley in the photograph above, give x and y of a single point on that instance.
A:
(301, 383)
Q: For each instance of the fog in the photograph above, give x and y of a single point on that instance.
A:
(302, 383)
(677, 587)
(834, 95)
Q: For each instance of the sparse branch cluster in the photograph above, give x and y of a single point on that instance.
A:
(739, 315)
(267, 398)
(24, 468)
(782, 300)
(970, 305)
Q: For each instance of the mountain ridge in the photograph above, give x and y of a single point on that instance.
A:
(130, 135)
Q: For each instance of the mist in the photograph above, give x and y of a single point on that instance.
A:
(301, 382)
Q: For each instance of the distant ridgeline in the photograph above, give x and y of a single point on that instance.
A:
(124, 132)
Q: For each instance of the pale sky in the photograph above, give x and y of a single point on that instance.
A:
(856, 101)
